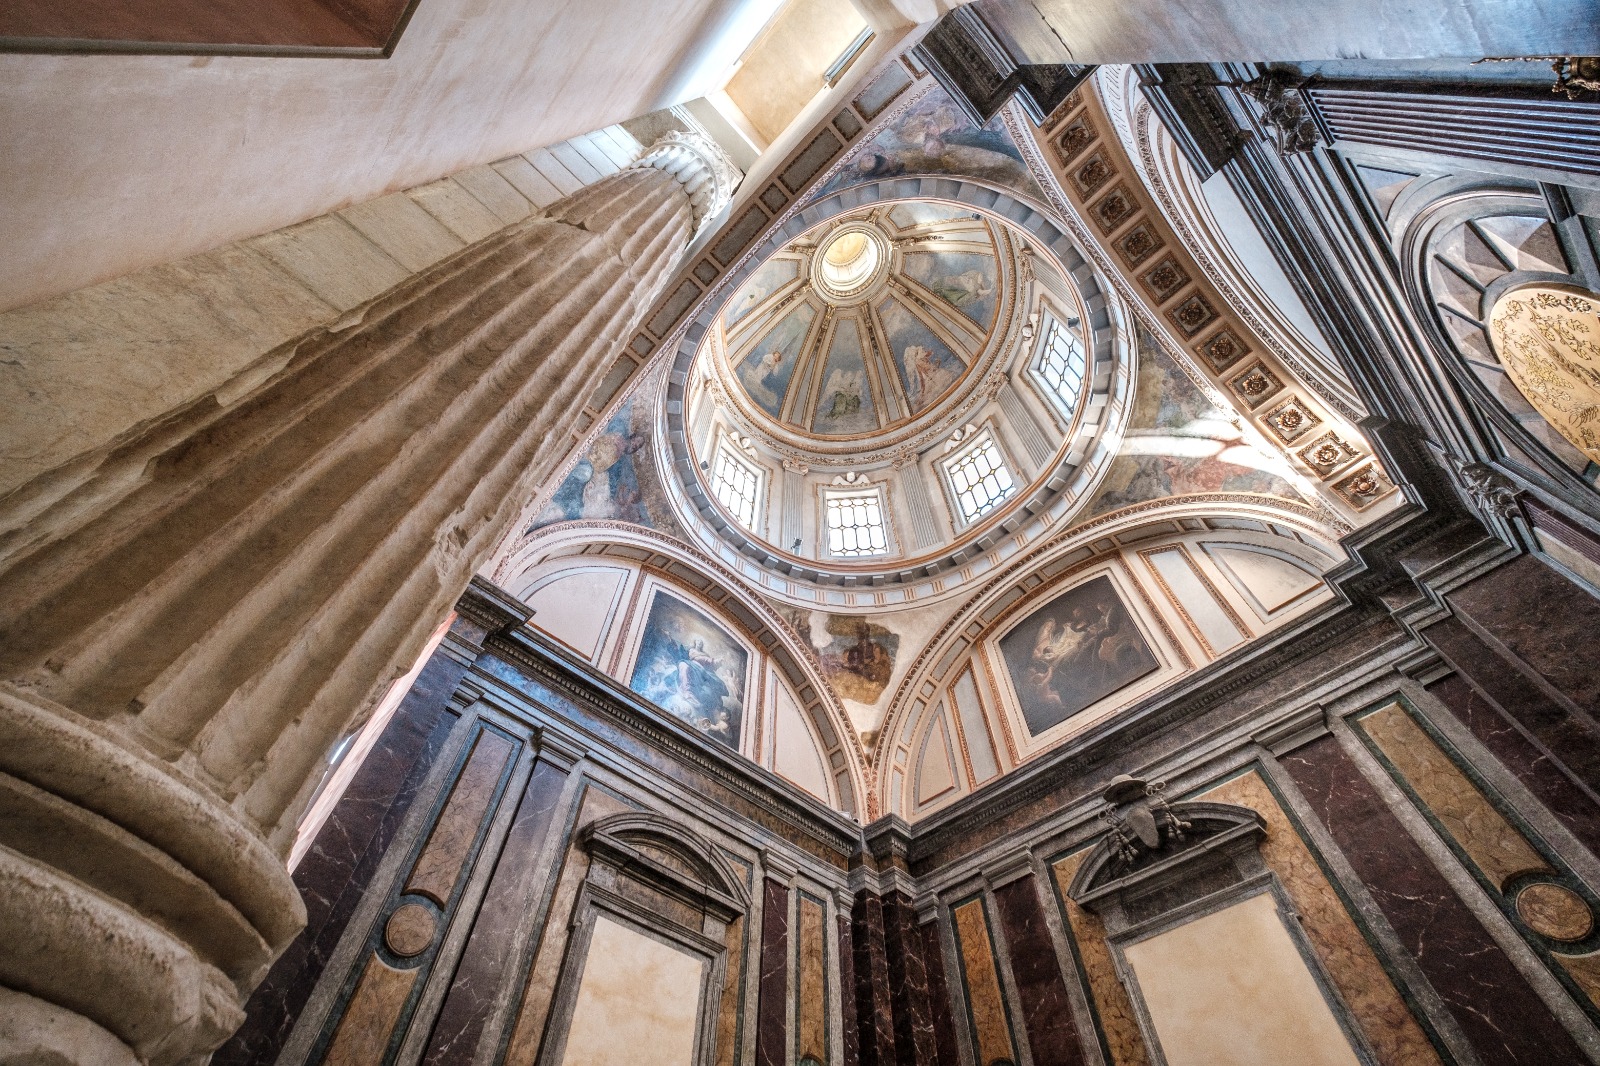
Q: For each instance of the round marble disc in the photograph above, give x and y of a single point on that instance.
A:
(410, 930)
(1556, 912)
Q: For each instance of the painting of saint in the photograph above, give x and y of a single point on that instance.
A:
(927, 366)
(964, 280)
(859, 660)
(766, 371)
(934, 136)
(689, 666)
(1073, 652)
(608, 482)
(845, 405)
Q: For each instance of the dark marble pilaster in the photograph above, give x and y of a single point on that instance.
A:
(847, 996)
(874, 1015)
(1495, 1007)
(939, 1003)
(1569, 738)
(908, 982)
(1046, 1011)
(1539, 770)
(485, 963)
(335, 872)
(772, 1009)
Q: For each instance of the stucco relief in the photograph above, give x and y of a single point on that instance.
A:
(1548, 340)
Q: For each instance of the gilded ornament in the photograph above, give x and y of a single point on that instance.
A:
(1548, 340)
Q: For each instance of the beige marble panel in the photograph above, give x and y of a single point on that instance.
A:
(1230, 989)
(733, 984)
(1391, 1030)
(1585, 970)
(811, 1016)
(453, 834)
(984, 998)
(1118, 1023)
(369, 1018)
(1498, 849)
(637, 1001)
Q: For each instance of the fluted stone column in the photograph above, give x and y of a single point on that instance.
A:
(189, 621)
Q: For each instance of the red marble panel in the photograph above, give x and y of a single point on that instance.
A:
(485, 963)
(1498, 1012)
(874, 1015)
(908, 982)
(1046, 1011)
(772, 1008)
(847, 995)
(939, 1003)
(334, 875)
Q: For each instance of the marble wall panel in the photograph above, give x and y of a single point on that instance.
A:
(772, 1007)
(874, 1016)
(1542, 619)
(986, 1006)
(908, 982)
(731, 1012)
(528, 1029)
(1357, 974)
(1231, 986)
(1496, 1009)
(493, 941)
(369, 1019)
(1576, 806)
(455, 833)
(848, 1019)
(940, 1005)
(811, 986)
(1041, 991)
(335, 872)
(638, 999)
(1120, 1038)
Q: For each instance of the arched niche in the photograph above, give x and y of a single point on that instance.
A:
(611, 591)
(1186, 581)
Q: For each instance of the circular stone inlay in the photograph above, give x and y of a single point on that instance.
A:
(1556, 912)
(410, 930)
(1548, 340)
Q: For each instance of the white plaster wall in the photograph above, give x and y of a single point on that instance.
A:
(112, 163)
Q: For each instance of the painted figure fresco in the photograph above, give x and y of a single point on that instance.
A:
(772, 276)
(858, 659)
(1073, 652)
(927, 366)
(689, 666)
(614, 479)
(1178, 443)
(845, 405)
(766, 371)
(935, 137)
(964, 280)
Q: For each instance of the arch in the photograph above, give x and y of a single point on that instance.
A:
(651, 848)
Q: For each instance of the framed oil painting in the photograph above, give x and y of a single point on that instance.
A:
(1073, 652)
(689, 666)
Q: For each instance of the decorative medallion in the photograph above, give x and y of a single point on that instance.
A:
(409, 930)
(1223, 349)
(1165, 279)
(1555, 911)
(1256, 386)
(1113, 209)
(1364, 487)
(1138, 245)
(1291, 420)
(1326, 454)
(1074, 140)
(1548, 340)
(1094, 173)
(1193, 315)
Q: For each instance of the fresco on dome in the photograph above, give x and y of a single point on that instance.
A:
(766, 371)
(926, 364)
(845, 405)
(857, 655)
(1073, 652)
(935, 138)
(689, 666)
(772, 276)
(964, 280)
(615, 479)
(922, 213)
(1178, 443)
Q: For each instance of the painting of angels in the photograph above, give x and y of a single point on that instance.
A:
(1073, 652)
(689, 666)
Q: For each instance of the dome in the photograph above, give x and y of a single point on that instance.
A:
(864, 326)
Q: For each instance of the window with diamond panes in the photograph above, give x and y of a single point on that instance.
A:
(736, 485)
(855, 523)
(979, 479)
(1061, 364)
